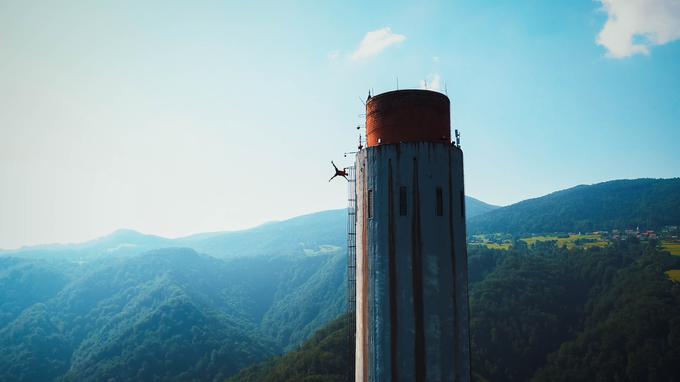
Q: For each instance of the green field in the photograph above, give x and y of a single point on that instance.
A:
(674, 274)
(492, 241)
(502, 242)
(600, 244)
(673, 248)
(571, 241)
(504, 246)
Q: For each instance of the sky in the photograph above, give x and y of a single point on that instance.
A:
(173, 117)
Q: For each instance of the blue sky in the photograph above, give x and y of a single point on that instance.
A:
(181, 117)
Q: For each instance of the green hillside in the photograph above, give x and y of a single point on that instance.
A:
(116, 308)
(325, 357)
(619, 204)
(169, 314)
(110, 307)
(299, 235)
(475, 207)
(544, 313)
(288, 237)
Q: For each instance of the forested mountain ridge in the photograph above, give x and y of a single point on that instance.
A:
(550, 297)
(618, 204)
(542, 314)
(118, 307)
(324, 357)
(294, 236)
(114, 305)
(474, 207)
(169, 314)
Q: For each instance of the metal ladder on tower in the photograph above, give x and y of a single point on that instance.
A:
(351, 266)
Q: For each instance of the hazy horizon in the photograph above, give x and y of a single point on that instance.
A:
(176, 119)
(190, 234)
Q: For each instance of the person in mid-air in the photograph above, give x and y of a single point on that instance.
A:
(338, 172)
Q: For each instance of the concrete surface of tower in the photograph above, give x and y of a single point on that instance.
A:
(412, 319)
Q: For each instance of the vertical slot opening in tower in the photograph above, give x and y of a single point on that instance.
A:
(440, 202)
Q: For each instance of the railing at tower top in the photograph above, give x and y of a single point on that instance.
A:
(351, 266)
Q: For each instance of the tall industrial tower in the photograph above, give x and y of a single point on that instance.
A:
(411, 257)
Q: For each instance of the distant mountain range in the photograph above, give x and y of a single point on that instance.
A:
(132, 306)
(303, 234)
(475, 207)
(300, 235)
(618, 204)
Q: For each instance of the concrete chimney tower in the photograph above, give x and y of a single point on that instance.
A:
(411, 258)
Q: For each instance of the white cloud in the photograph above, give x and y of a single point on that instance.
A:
(633, 26)
(432, 82)
(375, 42)
(333, 55)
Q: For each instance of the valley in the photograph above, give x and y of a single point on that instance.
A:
(248, 305)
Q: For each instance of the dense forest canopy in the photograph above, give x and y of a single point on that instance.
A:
(544, 314)
(169, 314)
(242, 304)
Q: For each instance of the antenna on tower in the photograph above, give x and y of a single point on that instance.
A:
(446, 90)
(457, 138)
(397, 82)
